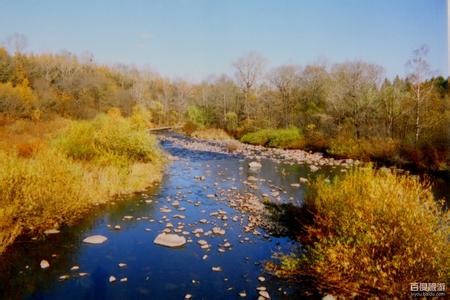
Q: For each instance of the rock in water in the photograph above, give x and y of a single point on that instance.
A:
(95, 239)
(255, 165)
(264, 294)
(218, 231)
(170, 240)
(44, 264)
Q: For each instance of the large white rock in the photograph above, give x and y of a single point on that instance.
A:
(170, 240)
(95, 239)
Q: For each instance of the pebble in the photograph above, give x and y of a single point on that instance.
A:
(218, 231)
(264, 294)
(44, 264)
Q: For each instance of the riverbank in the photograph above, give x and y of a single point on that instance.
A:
(385, 151)
(289, 156)
(56, 177)
(285, 147)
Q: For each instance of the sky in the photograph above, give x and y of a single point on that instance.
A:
(193, 39)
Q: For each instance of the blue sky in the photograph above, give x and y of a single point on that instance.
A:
(195, 38)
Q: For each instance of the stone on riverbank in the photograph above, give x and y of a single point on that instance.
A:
(170, 240)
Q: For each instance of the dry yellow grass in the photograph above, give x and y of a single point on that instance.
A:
(48, 185)
(212, 134)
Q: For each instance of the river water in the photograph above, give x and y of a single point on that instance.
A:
(157, 272)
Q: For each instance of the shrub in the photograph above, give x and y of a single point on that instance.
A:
(197, 116)
(189, 128)
(315, 139)
(278, 138)
(17, 100)
(373, 233)
(231, 121)
(232, 145)
(260, 137)
(384, 149)
(108, 136)
(38, 193)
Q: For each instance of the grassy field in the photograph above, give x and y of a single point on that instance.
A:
(53, 172)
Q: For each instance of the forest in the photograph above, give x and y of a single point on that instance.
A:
(347, 110)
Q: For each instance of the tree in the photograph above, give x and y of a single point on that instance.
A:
(354, 90)
(285, 80)
(249, 70)
(419, 71)
(17, 42)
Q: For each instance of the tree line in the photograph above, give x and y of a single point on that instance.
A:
(346, 109)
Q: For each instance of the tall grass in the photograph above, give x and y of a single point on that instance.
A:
(372, 233)
(107, 137)
(212, 134)
(86, 164)
(279, 138)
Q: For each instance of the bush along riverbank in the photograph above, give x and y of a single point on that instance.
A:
(85, 164)
(369, 233)
(386, 151)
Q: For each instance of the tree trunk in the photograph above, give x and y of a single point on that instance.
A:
(417, 125)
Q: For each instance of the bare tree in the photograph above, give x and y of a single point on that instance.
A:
(16, 42)
(249, 70)
(285, 79)
(419, 71)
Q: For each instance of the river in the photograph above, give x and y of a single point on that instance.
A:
(200, 181)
